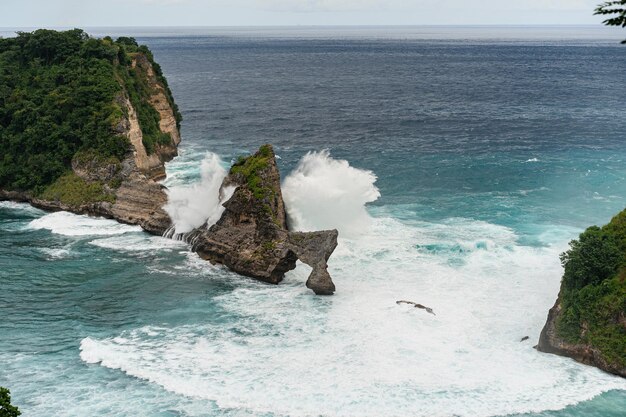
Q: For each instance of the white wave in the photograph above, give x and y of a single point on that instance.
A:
(190, 207)
(280, 349)
(12, 205)
(69, 224)
(56, 253)
(326, 193)
(532, 160)
(138, 242)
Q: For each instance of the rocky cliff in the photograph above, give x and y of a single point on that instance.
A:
(588, 320)
(251, 237)
(129, 191)
(550, 341)
(97, 142)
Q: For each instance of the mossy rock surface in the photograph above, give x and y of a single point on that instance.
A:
(74, 191)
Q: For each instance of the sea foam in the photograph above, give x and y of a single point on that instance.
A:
(280, 349)
(138, 242)
(68, 224)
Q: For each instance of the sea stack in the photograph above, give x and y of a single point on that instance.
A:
(252, 237)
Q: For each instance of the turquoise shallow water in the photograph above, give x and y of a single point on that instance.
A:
(490, 154)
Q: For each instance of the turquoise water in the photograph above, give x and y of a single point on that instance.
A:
(491, 152)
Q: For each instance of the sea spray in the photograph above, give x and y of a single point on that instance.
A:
(327, 193)
(191, 206)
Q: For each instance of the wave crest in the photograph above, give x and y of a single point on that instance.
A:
(327, 193)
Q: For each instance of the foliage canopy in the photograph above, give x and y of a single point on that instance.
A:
(61, 93)
(6, 409)
(593, 291)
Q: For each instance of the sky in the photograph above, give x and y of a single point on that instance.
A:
(93, 13)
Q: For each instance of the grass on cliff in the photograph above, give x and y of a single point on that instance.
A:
(140, 91)
(593, 292)
(251, 168)
(72, 190)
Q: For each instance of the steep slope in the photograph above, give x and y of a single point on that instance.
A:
(588, 320)
(105, 121)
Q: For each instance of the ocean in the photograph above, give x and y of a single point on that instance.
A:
(456, 162)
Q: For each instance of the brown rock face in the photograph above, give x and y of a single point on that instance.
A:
(140, 201)
(551, 342)
(251, 237)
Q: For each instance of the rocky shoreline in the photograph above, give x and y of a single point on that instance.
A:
(251, 238)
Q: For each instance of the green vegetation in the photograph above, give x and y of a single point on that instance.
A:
(62, 93)
(6, 409)
(593, 292)
(72, 190)
(251, 167)
(617, 8)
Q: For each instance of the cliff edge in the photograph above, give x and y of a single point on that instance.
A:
(86, 126)
(588, 320)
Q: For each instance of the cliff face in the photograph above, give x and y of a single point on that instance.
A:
(551, 342)
(133, 195)
(251, 237)
(588, 320)
(116, 121)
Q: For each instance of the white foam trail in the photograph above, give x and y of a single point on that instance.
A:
(326, 193)
(69, 224)
(283, 350)
(138, 242)
(12, 205)
(190, 206)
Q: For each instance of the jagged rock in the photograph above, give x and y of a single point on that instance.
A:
(140, 201)
(551, 342)
(251, 237)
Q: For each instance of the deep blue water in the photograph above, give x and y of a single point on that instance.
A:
(491, 149)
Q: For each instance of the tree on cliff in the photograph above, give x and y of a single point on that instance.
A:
(6, 409)
(615, 8)
(62, 95)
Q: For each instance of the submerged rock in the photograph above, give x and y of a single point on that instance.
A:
(252, 238)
